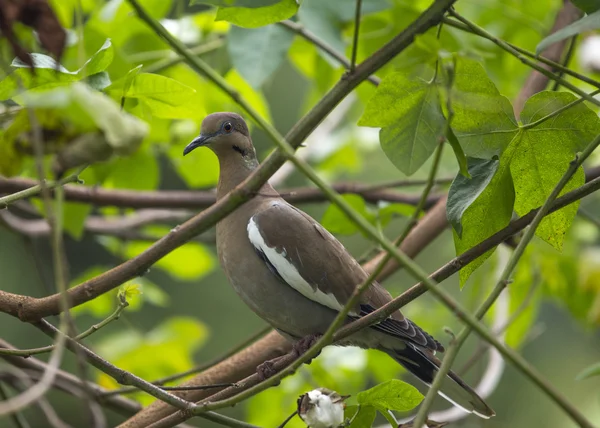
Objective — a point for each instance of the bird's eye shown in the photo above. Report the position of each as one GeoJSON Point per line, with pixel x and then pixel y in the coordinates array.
{"type": "Point", "coordinates": [228, 127]}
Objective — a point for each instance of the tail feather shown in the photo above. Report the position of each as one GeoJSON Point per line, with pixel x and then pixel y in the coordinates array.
{"type": "Point", "coordinates": [453, 389]}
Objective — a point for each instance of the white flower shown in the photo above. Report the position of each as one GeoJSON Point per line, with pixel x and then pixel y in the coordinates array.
{"type": "Point", "coordinates": [322, 408]}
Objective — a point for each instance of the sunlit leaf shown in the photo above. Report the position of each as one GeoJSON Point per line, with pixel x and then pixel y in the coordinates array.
{"type": "Point", "coordinates": [171, 345]}
{"type": "Point", "coordinates": [393, 395]}
{"type": "Point", "coordinates": [165, 97]}
{"type": "Point", "coordinates": [188, 262]}
{"type": "Point", "coordinates": [48, 73]}
{"type": "Point", "coordinates": [253, 17]}
{"type": "Point", "coordinates": [483, 121]}
{"type": "Point", "coordinates": [541, 155]}
{"type": "Point", "coordinates": [237, 3]}
{"type": "Point", "coordinates": [364, 418]}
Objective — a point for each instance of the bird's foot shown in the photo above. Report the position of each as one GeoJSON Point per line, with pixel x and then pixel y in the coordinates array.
{"type": "Point", "coordinates": [266, 369]}
{"type": "Point", "coordinates": [304, 344]}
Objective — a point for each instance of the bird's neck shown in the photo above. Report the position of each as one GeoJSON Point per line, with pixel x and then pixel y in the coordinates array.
{"type": "Point", "coordinates": [233, 174]}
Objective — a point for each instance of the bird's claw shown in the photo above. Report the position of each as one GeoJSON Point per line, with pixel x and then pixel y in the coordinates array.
{"type": "Point", "coordinates": [304, 344]}
{"type": "Point", "coordinates": [266, 370]}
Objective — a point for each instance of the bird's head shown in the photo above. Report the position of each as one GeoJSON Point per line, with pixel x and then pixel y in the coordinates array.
{"type": "Point", "coordinates": [227, 135]}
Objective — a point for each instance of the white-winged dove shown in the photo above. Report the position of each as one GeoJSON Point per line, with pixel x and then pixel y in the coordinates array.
{"type": "Point", "coordinates": [296, 275]}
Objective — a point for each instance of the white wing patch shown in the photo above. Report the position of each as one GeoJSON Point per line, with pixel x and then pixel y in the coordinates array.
{"type": "Point", "coordinates": [288, 271]}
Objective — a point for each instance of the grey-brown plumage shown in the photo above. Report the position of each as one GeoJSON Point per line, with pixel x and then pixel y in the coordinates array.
{"type": "Point", "coordinates": [296, 275]}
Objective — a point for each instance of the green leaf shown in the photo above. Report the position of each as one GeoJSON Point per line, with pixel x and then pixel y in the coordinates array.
{"type": "Point", "coordinates": [591, 371]}
{"type": "Point", "coordinates": [48, 73]}
{"type": "Point", "coordinates": [189, 262]}
{"type": "Point", "coordinates": [587, 23]}
{"type": "Point", "coordinates": [171, 344]}
{"type": "Point", "coordinates": [483, 121]}
{"type": "Point", "coordinates": [588, 6]}
{"type": "Point", "coordinates": [139, 171]}
{"type": "Point", "coordinates": [541, 156]}
{"type": "Point", "coordinates": [237, 3]}
{"type": "Point", "coordinates": [393, 395]}
{"type": "Point", "coordinates": [258, 16]}
{"type": "Point", "coordinates": [90, 111]}
{"type": "Point", "coordinates": [165, 97]}
{"type": "Point", "coordinates": [98, 81]}
{"type": "Point", "coordinates": [364, 418]}
{"type": "Point", "coordinates": [489, 213]}
{"type": "Point", "coordinates": [335, 221]}
{"type": "Point", "coordinates": [409, 112]}
{"type": "Point", "coordinates": [464, 191]}
{"type": "Point", "coordinates": [74, 216]}
{"type": "Point", "coordinates": [461, 158]}
{"type": "Point", "coordinates": [257, 53]}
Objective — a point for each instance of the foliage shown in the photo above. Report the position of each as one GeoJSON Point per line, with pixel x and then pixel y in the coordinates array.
{"type": "Point", "coordinates": [121, 101]}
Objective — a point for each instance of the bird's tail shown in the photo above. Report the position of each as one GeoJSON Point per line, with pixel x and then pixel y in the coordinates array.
{"type": "Point", "coordinates": [453, 388]}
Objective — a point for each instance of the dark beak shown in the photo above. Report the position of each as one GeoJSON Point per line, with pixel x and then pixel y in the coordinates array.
{"type": "Point", "coordinates": [199, 141]}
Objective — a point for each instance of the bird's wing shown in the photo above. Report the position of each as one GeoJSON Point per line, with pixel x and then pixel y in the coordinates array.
{"type": "Point", "coordinates": [305, 256]}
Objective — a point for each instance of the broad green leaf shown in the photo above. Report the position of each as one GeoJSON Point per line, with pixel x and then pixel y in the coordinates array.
{"type": "Point", "coordinates": [587, 23]}
{"type": "Point", "coordinates": [237, 3]}
{"type": "Point", "coordinates": [165, 97]}
{"type": "Point", "coordinates": [393, 395]}
{"type": "Point", "coordinates": [409, 112]}
{"type": "Point", "coordinates": [11, 160]}
{"type": "Point", "coordinates": [189, 262]}
{"type": "Point", "coordinates": [489, 213]}
{"type": "Point", "coordinates": [541, 155]}
{"type": "Point", "coordinates": [464, 191]}
{"type": "Point", "coordinates": [337, 222]}
{"type": "Point", "coordinates": [483, 121]}
{"type": "Point", "coordinates": [588, 6]}
{"type": "Point", "coordinates": [256, 53]}
{"type": "Point", "coordinates": [48, 72]}
{"type": "Point", "coordinates": [197, 171]}
{"type": "Point", "coordinates": [364, 418]}
{"type": "Point", "coordinates": [591, 371]}
{"type": "Point", "coordinates": [255, 98]}
{"type": "Point", "coordinates": [253, 17]}
{"type": "Point", "coordinates": [524, 299]}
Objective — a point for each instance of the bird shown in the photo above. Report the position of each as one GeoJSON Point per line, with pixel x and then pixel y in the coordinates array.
{"type": "Point", "coordinates": [297, 276]}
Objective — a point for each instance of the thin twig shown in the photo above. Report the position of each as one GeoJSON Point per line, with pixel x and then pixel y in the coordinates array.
{"type": "Point", "coordinates": [94, 328]}
{"type": "Point", "coordinates": [355, 38]}
{"type": "Point", "coordinates": [17, 417]}
{"type": "Point", "coordinates": [5, 201]}
{"type": "Point", "coordinates": [321, 44]}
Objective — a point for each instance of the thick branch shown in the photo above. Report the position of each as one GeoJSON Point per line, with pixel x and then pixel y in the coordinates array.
{"type": "Point", "coordinates": [197, 199]}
